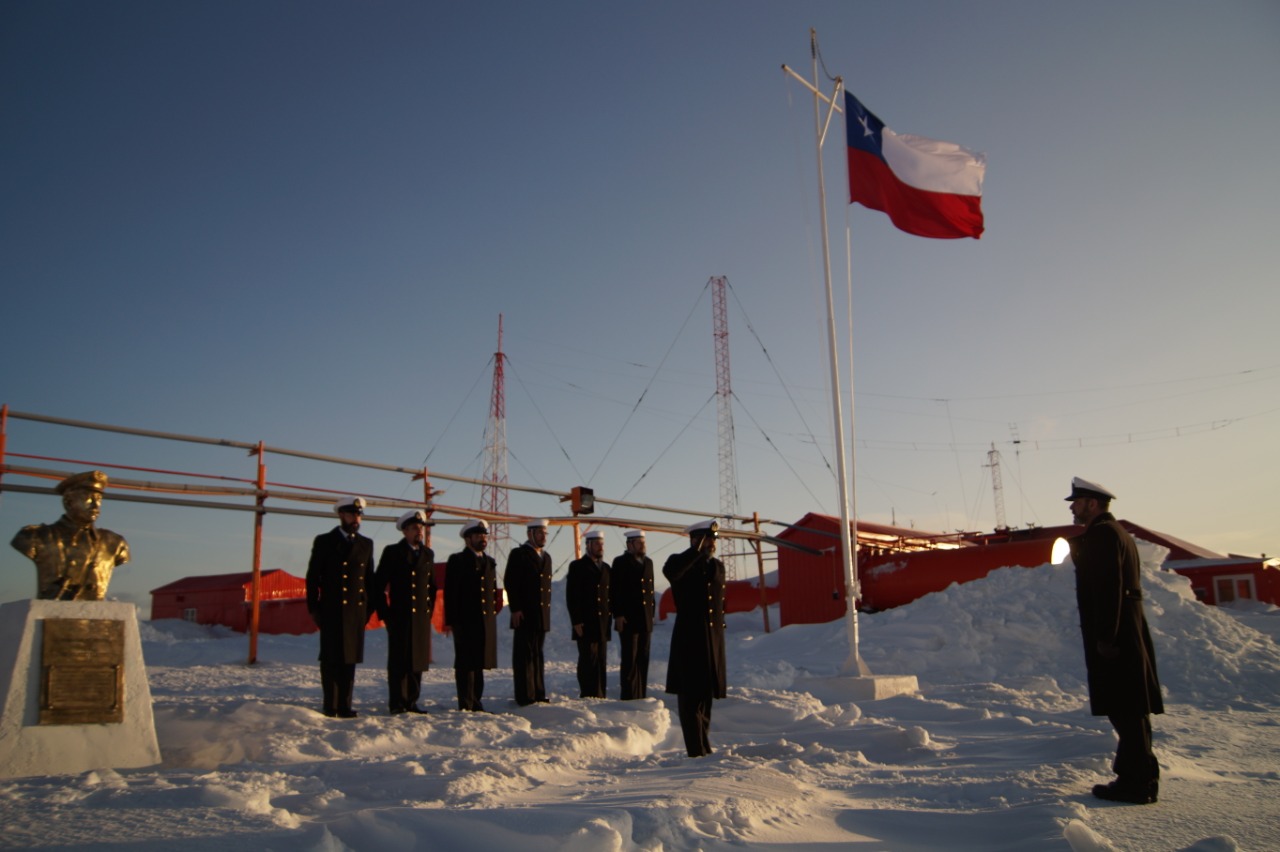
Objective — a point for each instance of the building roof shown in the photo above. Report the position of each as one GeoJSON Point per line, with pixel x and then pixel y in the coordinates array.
{"type": "Point", "coordinates": [906, 538]}
{"type": "Point", "coordinates": [1178, 548]}
{"type": "Point", "coordinates": [820, 524]}
{"type": "Point", "coordinates": [1226, 562]}
{"type": "Point", "coordinates": [241, 580]}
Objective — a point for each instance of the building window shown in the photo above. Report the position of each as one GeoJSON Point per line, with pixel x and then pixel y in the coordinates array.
{"type": "Point", "coordinates": [1237, 587]}
{"type": "Point", "coordinates": [189, 614]}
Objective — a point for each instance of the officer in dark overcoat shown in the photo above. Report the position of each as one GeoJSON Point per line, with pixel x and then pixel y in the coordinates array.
{"type": "Point", "coordinates": [404, 594]}
{"type": "Point", "coordinates": [696, 671]}
{"type": "Point", "coordinates": [631, 602]}
{"type": "Point", "coordinates": [587, 594]}
{"type": "Point", "coordinates": [527, 581]}
{"type": "Point", "coordinates": [339, 577]}
{"type": "Point", "coordinates": [1118, 653]}
{"type": "Point", "coordinates": [471, 613]}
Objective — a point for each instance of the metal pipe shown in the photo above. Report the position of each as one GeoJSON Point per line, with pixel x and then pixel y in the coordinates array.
{"type": "Point", "coordinates": [255, 585]}
{"type": "Point", "coordinates": [415, 472]}
{"type": "Point", "coordinates": [764, 597]}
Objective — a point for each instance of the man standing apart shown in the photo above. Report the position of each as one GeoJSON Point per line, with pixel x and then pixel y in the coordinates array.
{"type": "Point", "coordinates": [631, 602]}
{"type": "Point", "coordinates": [339, 575]}
{"type": "Point", "coordinates": [587, 589]}
{"type": "Point", "coordinates": [471, 613]}
{"type": "Point", "coordinates": [404, 593]}
{"type": "Point", "coordinates": [527, 580]}
{"type": "Point", "coordinates": [1118, 654]}
{"type": "Point", "coordinates": [696, 672]}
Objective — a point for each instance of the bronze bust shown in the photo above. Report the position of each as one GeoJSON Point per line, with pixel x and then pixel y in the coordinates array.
{"type": "Point", "coordinates": [74, 559]}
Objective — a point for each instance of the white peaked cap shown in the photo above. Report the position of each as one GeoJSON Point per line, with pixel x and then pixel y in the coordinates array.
{"type": "Point", "coordinates": [594, 534]}
{"type": "Point", "coordinates": [411, 515]}
{"type": "Point", "coordinates": [630, 534]}
{"type": "Point", "coordinates": [471, 525]}
{"type": "Point", "coordinates": [702, 527]}
{"type": "Point", "coordinates": [342, 502]}
{"type": "Point", "coordinates": [1085, 488]}
{"type": "Point", "coordinates": [537, 522]}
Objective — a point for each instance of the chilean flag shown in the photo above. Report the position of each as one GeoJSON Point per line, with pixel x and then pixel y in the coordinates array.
{"type": "Point", "coordinates": [928, 188]}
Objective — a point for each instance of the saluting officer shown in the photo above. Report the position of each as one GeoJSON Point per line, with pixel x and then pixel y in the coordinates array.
{"type": "Point", "coordinates": [587, 592]}
{"type": "Point", "coordinates": [404, 594]}
{"type": "Point", "coordinates": [696, 672]}
{"type": "Point", "coordinates": [339, 575]}
{"type": "Point", "coordinates": [528, 584]}
{"type": "Point", "coordinates": [631, 602]}
{"type": "Point", "coordinates": [471, 613]}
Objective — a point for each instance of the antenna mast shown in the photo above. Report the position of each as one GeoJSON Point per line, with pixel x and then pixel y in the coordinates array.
{"type": "Point", "coordinates": [997, 488]}
{"type": "Point", "coordinates": [493, 498]}
{"type": "Point", "coordinates": [724, 416]}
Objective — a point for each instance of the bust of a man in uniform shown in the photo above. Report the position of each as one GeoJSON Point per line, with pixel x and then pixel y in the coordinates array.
{"type": "Point", "coordinates": [74, 559]}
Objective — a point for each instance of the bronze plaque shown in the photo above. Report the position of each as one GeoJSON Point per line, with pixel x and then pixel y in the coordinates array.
{"type": "Point", "coordinates": [82, 671]}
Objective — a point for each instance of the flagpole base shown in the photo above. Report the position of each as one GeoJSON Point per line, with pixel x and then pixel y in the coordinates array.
{"type": "Point", "coordinates": [876, 687]}
{"type": "Point", "coordinates": [854, 664]}
{"type": "Point", "coordinates": [858, 688]}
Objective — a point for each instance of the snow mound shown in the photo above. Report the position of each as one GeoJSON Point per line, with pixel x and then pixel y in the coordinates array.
{"type": "Point", "coordinates": [1018, 628]}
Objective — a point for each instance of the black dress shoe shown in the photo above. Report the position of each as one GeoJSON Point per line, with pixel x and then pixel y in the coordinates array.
{"type": "Point", "coordinates": [396, 711]}
{"type": "Point", "coordinates": [416, 709]}
{"type": "Point", "coordinates": [347, 714]}
{"type": "Point", "coordinates": [1146, 794]}
{"type": "Point", "coordinates": [330, 713]}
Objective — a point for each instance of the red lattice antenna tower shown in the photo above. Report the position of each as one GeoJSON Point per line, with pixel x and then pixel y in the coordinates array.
{"type": "Point", "coordinates": [724, 415]}
{"type": "Point", "coordinates": [493, 497]}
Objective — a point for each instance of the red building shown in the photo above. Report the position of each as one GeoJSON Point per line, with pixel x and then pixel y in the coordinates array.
{"type": "Point", "coordinates": [224, 599]}
{"type": "Point", "coordinates": [1217, 578]}
{"type": "Point", "coordinates": [739, 596]}
{"type": "Point", "coordinates": [898, 565]}
{"type": "Point", "coordinates": [1231, 579]}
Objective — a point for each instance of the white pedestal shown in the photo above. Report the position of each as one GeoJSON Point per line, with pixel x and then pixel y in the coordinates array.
{"type": "Point", "coordinates": [860, 688]}
{"type": "Point", "coordinates": [875, 687]}
{"type": "Point", "coordinates": [29, 748]}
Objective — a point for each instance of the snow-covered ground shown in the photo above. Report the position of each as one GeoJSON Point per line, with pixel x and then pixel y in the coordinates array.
{"type": "Point", "coordinates": [996, 752]}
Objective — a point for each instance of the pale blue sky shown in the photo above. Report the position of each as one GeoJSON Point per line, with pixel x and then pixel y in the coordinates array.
{"type": "Point", "coordinates": [298, 223]}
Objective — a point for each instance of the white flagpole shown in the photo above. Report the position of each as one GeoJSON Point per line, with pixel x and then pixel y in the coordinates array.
{"type": "Point", "coordinates": [855, 585]}
{"type": "Point", "coordinates": [854, 661]}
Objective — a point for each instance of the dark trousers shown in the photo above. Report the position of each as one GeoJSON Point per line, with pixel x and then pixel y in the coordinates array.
{"type": "Point", "coordinates": [527, 664]}
{"type": "Point", "coordinates": [695, 721]}
{"type": "Point", "coordinates": [470, 688]}
{"type": "Point", "coordinates": [1135, 764]}
{"type": "Point", "coordinates": [404, 685]}
{"type": "Point", "coordinates": [591, 668]}
{"type": "Point", "coordinates": [633, 646]}
{"type": "Point", "coordinates": [337, 681]}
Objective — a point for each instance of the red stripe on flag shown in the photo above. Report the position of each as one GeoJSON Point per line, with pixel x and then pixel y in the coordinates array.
{"type": "Point", "coordinates": [938, 215]}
